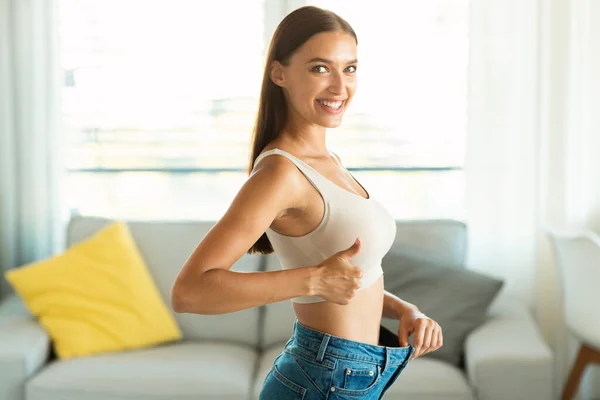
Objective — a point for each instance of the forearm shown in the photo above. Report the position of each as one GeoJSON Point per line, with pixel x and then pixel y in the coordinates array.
{"type": "Point", "coordinates": [221, 291]}
{"type": "Point", "coordinates": [393, 306]}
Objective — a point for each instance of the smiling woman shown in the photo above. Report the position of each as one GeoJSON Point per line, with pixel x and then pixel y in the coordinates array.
{"type": "Point", "coordinates": [328, 231]}
{"type": "Point", "coordinates": [310, 80]}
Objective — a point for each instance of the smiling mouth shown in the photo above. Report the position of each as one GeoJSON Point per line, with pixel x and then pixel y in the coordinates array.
{"type": "Point", "coordinates": [334, 105]}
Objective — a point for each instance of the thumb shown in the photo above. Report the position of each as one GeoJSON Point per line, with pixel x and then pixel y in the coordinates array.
{"type": "Point", "coordinates": [352, 250]}
{"type": "Point", "coordinates": [403, 336]}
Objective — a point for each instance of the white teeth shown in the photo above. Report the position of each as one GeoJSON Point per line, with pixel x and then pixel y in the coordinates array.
{"type": "Point", "coordinates": [331, 104]}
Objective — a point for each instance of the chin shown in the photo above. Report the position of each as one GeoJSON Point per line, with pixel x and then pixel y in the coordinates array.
{"type": "Point", "coordinates": [330, 123]}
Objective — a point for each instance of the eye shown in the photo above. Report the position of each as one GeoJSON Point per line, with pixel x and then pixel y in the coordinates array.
{"type": "Point", "coordinates": [319, 69]}
{"type": "Point", "coordinates": [352, 68]}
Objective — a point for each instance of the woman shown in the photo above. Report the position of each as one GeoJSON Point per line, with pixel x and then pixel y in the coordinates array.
{"type": "Point", "coordinates": [328, 232]}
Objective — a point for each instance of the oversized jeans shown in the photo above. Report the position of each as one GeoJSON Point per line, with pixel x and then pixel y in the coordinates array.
{"type": "Point", "coordinates": [316, 365]}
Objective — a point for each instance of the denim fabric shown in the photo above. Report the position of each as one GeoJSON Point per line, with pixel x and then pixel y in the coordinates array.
{"type": "Point", "coordinates": [315, 365]}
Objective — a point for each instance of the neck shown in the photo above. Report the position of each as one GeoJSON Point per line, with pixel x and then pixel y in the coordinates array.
{"type": "Point", "coordinates": [309, 138]}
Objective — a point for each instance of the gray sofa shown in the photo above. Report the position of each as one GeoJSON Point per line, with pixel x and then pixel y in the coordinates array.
{"type": "Point", "coordinates": [228, 356]}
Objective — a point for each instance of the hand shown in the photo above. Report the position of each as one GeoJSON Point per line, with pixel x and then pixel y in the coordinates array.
{"type": "Point", "coordinates": [428, 334]}
{"type": "Point", "coordinates": [337, 280]}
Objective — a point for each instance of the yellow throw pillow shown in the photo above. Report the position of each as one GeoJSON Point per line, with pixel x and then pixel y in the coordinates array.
{"type": "Point", "coordinates": [96, 297]}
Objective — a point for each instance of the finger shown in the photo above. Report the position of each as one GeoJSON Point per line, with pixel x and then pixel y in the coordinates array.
{"type": "Point", "coordinates": [352, 250]}
{"type": "Point", "coordinates": [427, 339]}
{"type": "Point", "coordinates": [419, 336]}
{"type": "Point", "coordinates": [440, 338]}
{"type": "Point", "coordinates": [403, 337]}
{"type": "Point", "coordinates": [435, 338]}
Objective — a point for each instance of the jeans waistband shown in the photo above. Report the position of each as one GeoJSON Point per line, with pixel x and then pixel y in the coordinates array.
{"type": "Point", "coordinates": [322, 343]}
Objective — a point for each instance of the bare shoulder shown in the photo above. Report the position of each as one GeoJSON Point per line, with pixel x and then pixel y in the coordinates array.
{"type": "Point", "coordinates": [276, 172]}
{"type": "Point", "coordinates": [273, 187]}
{"type": "Point", "coordinates": [275, 164]}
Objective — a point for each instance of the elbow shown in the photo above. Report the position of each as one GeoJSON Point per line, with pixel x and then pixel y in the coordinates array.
{"type": "Point", "coordinates": [178, 299]}
{"type": "Point", "coordinates": [177, 303]}
{"type": "Point", "coordinates": [190, 297]}
{"type": "Point", "coordinates": [184, 300]}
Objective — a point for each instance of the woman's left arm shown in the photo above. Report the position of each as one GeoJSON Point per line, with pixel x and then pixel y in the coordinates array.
{"type": "Point", "coordinates": [394, 307]}
{"type": "Point", "coordinates": [428, 334]}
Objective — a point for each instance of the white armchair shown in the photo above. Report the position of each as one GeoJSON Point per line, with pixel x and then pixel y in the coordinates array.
{"type": "Point", "coordinates": [578, 258]}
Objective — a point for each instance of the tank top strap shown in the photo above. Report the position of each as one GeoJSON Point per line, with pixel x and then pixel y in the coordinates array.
{"type": "Point", "coordinates": [263, 155]}
{"type": "Point", "coordinates": [313, 176]}
{"type": "Point", "coordinates": [302, 166]}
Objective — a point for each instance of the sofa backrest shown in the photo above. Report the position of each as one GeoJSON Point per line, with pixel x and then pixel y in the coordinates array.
{"type": "Point", "coordinates": [442, 241]}
{"type": "Point", "coordinates": [165, 246]}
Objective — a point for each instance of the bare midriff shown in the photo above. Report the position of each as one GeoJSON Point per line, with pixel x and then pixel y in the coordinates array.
{"type": "Point", "coordinates": [359, 320]}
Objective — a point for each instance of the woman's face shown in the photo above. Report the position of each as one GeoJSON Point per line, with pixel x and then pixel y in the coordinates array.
{"type": "Point", "coordinates": [320, 79]}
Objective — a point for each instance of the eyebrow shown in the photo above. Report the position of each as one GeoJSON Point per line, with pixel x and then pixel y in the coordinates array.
{"type": "Point", "coordinates": [326, 61]}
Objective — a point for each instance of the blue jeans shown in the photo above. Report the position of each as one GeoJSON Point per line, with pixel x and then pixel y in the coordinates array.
{"type": "Point", "coordinates": [316, 365]}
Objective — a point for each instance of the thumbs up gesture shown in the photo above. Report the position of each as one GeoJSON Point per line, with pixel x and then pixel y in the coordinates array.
{"type": "Point", "coordinates": [337, 279]}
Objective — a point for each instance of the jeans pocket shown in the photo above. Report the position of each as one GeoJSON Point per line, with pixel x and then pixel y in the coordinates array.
{"type": "Point", "coordinates": [355, 378]}
{"type": "Point", "coordinates": [278, 386]}
{"type": "Point", "coordinates": [358, 379]}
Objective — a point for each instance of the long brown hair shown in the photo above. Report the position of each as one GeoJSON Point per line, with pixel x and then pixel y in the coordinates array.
{"type": "Point", "coordinates": [291, 33]}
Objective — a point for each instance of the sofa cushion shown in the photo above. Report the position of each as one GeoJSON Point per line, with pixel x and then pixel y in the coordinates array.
{"type": "Point", "coordinates": [165, 246]}
{"type": "Point", "coordinates": [444, 241]}
{"type": "Point", "coordinates": [96, 297]}
{"type": "Point", "coordinates": [186, 370]}
{"type": "Point", "coordinates": [414, 383]}
{"type": "Point", "coordinates": [456, 298]}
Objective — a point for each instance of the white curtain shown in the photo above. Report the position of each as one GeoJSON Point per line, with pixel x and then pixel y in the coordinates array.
{"type": "Point", "coordinates": [533, 134]}
{"type": "Point", "coordinates": [30, 167]}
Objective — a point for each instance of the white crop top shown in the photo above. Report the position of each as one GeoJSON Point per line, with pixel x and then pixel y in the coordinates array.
{"type": "Point", "coordinates": [347, 216]}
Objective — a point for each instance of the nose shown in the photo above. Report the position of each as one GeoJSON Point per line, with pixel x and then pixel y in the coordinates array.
{"type": "Point", "coordinates": [337, 83]}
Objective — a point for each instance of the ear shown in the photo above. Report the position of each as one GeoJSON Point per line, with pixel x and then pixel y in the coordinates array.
{"type": "Point", "coordinates": [276, 73]}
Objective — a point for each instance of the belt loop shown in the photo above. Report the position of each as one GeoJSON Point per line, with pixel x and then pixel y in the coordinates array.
{"type": "Point", "coordinates": [324, 343]}
{"type": "Point", "coordinates": [386, 359]}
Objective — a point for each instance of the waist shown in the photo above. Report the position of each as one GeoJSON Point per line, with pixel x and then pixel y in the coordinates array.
{"type": "Point", "coordinates": [314, 342]}
{"type": "Point", "coordinates": [359, 320]}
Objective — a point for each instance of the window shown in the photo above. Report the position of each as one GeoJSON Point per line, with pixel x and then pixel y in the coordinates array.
{"type": "Point", "coordinates": [159, 101]}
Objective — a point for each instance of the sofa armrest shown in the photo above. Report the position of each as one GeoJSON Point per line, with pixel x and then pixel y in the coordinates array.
{"type": "Point", "coordinates": [507, 358]}
{"type": "Point", "coordinates": [24, 348]}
